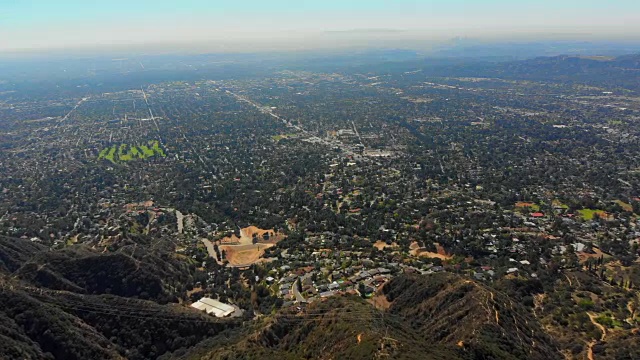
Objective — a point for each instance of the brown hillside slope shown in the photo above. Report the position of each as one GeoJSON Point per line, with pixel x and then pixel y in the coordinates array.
{"type": "Point", "coordinates": [448, 309]}
{"type": "Point", "coordinates": [430, 317]}
{"type": "Point", "coordinates": [338, 328]}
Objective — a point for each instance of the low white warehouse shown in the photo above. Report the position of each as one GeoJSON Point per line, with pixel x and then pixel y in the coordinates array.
{"type": "Point", "coordinates": [215, 307]}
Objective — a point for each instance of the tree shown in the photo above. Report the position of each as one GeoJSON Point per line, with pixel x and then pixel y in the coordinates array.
{"type": "Point", "coordinates": [362, 290]}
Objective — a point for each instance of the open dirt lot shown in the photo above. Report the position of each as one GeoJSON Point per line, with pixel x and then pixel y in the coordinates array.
{"type": "Point", "coordinates": [240, 251]}
{"type": "Point", "coordinates": [416, 250]}
{"type": "Point", "coordinates": [381, 245]}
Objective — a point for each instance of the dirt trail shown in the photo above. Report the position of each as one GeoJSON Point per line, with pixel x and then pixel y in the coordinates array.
{"type": "Point", "coordinates": [538, 300]}
{"type": "Point", "coordinates": [594, 341]}
{"type": "Point", "coordinates": [487, 304]}
{"type": "Point", "coordinates": [598, 325]}
{"type": "Point", "coordinates": [632, 312]}
{"type": "Point", "coordinates": [496, 310]}
{"type": "Point", "coordinates": [590, 350]}
{"type": "Point", "coordinates": [569, 280]}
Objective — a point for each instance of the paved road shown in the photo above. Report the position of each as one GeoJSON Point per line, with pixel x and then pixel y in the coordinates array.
{"type": "Point", "coordinates": [209, 245]}
{"type": "Point", "coordinates": [296, 293]}
{"type": "Point", "coordinates": [180, 218]}
{"type": "Point", "coordinates": [329, 143]}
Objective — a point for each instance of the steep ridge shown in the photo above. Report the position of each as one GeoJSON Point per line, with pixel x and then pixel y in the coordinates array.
{"type": "Point", "coordinates": [80, 303]}
{"type": "Point", "coordinates": [138, 271]}
{"type": "Point", "coordinates": [338, 328]}
{"type": "Point", "coordinates": [94, 273]}
{"type": "Point", "coordinates": [449, 309]}
{"type": "Point", "coordinates": [56, 324]}
{"type": "Point", "coordinates": [32, 329]}
{"type": "Point", "coordinates": [16, 252]}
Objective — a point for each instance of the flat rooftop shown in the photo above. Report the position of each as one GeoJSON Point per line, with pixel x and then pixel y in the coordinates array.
{"type": "Point", "coordinates": [211, 306]}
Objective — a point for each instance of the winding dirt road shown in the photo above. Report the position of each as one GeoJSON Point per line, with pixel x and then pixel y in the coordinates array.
{"type": "Point", "coordinates": [592, 317]}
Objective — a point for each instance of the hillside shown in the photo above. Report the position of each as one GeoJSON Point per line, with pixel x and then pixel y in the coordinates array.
{"type": "Point", "coordinates": [73, 304]}
{"type": "Point", "coordinates": [452, 310]}
{"type": "Point", "coordinates": [430, 317]}
{"type": "Point", "coordinates": [135, 269]}
{"type": "Point", "coordinates": [16, 252]}
{"type": "Point", "coordinates": [338, 328]}
{"type": "Point", "coordinates": [79, 303]}
{"type": "Point", "coordinates": [39, 324]}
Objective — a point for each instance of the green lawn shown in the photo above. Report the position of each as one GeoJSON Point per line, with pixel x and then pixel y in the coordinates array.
{"type": "Point", "coordinates": [589, 214]}
{"type": "Point", "coordinates": [146, 152]}
{"type": "Point", "coordinates": [122, 156]}
{"type": "Point", "coordinates": [136, 153]}
{"type": "Point", "coordinates": [155, 146]}
{"type": "Point", "coordinates": [109, 154]}
{"type": "Point", "coordinates": [126, 152]}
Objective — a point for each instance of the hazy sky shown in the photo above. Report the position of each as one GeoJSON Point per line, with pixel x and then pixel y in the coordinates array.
{"type": "Point", "coordinates": [266, 24]}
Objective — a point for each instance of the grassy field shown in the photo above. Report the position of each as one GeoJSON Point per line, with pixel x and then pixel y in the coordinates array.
{"type": "Point", "coordinates": [126, 152]}
{"type": "Point", "coordinates": [589, 214]}
{"type": "Point", "coordinates": [108, 153]}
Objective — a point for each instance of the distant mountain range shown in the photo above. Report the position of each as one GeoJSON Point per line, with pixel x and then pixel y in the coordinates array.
{"type": "Point", "coordinates": [614, 72]}
{"type": "Point", "coordinates": [473, 48]}
{"type": "Point", "coordinates": [42, 78]}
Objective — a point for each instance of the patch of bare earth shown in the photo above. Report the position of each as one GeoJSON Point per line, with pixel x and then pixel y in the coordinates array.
{"type": "Point", "coordinates": [597, 253]}
{"type": "Point", "coordinates": [379, 301]}
{"type": "Point", "coordinates": [195, 290]}
{"type": "Point", "coordinates": [249, 233]}
{"type": "Point", "coordinates": [381, 245]}
{"type": "Point", "coordinates": [416, 250]}
{"type": "Point", "coordinates": [244, 254]}
{"type": "Point", "coordinates": [249, 248]}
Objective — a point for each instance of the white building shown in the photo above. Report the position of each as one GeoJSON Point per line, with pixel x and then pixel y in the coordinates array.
{"type": "Point", "coordinates": [215, 307]}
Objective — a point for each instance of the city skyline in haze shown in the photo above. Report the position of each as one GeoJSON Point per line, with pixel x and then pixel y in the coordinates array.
{"type": "Point", "coordinates": [294, 25]}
